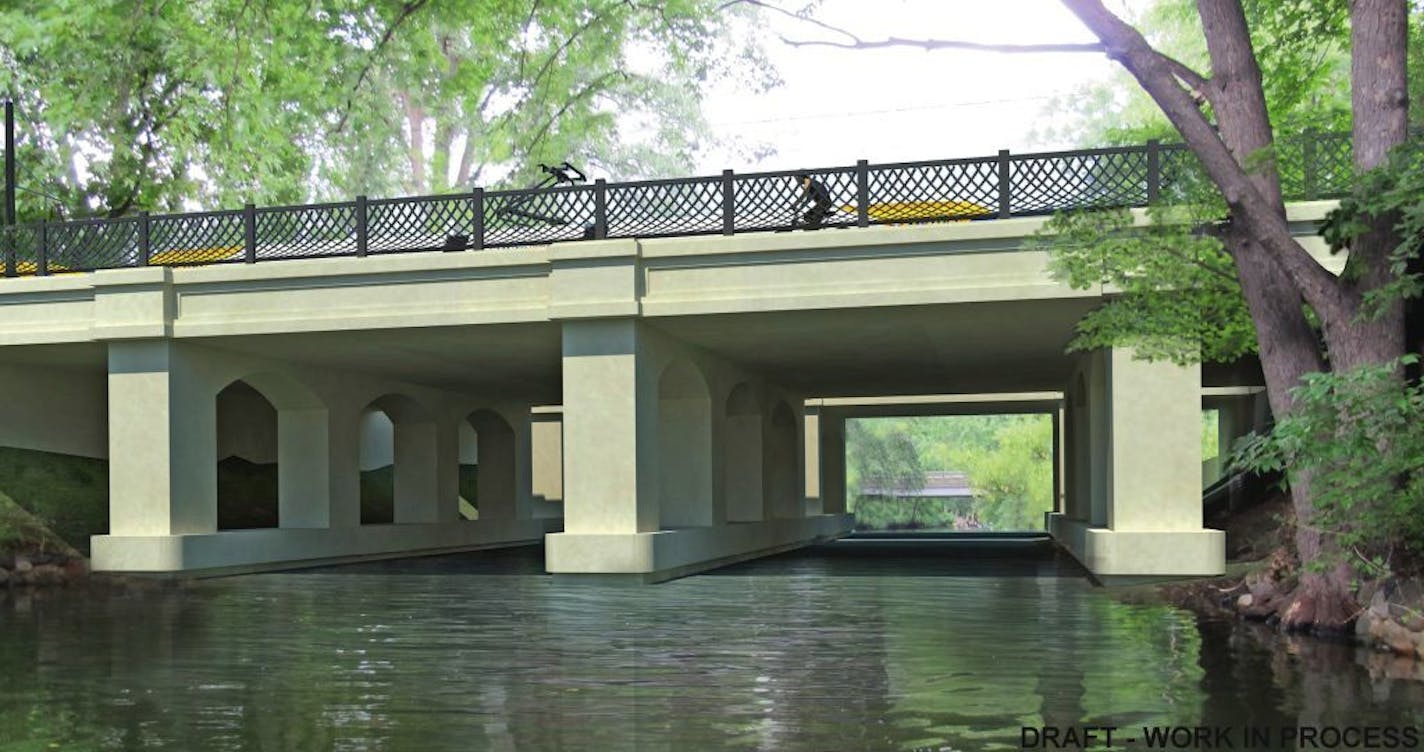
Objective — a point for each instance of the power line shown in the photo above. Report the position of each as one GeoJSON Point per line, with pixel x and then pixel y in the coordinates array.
{"type": "Point", "coordinates": [887, 111]}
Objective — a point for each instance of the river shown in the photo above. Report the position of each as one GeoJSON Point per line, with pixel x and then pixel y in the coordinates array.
{"type": "Point", "coordinates": [838, 647]}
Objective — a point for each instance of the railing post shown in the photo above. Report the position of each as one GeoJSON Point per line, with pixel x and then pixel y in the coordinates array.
{"type": "Point", "coordinates": [1309, 176]}
{"type": "Point", "coordinates": [249, 232]}
{"type": "Point", "coordinates": [600, 209]}
{"type": "Point", "coordinates": [42, 253]}
{"type": "Point", "coordinates": [1005, 207]}
{"type": "Point", "coordinates": [477, 205]}
{"type": "Point", "coordinates": [8, 238]}
{"type": "Point", "coordinates": [729, 206]}
{"type": "Point", "coordinates": [145, 242]}
{"type": "Point", "coordinates": [362, 229]}
{"type": "Point", "coordinates": [1154, 170]}
{"type": "Point", "coordinates": [862, 193]}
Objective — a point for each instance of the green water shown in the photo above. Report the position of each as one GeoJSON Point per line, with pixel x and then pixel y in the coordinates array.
{"type": "Point", "coordinates": [825, 649]}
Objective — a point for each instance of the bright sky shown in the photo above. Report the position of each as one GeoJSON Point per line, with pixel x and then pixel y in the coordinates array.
{"type": "Point", "coordinates": [899, 104]}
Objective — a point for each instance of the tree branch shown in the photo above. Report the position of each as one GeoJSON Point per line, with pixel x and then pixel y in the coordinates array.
{"type": "Point", "coordinates": [1202, 88]}
{"type": "Point", "coordinates": [406, 12]}
{"type": "Point", "coordinates": [1159, 79]}
{"type": "Point", "coordinates": [789, 14]}
{"type": "Point", "coordinates": [589, 89]}
{"type": "Point", "coordinates": [855, 42]}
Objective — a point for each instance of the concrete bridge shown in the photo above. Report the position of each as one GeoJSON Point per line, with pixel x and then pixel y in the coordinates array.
{"type": "Point", "coordinates": [648, 406]}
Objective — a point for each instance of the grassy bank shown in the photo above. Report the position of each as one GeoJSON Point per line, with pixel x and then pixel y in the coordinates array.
{"type": "Point", "coordinates": [48, 499]}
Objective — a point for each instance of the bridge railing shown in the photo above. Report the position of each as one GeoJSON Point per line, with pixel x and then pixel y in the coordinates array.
{"type": "Point", "coordinates": [1000, 186]}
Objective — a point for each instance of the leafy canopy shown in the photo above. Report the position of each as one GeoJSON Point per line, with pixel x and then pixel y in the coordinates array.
{"type": "Point", "coordinates": [1361, 438]}
{"type": "Point", "coordinates": [1174, 287]}
{"type": "Point", "coordinates": [130, 105]}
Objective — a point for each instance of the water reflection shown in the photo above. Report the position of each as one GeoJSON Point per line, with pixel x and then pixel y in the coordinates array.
{"type": "Point", "coordinates": [845, 647]}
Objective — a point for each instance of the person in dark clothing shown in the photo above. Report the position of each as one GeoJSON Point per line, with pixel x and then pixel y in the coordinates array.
{"type": "Point", "coordinates": [813, 192]}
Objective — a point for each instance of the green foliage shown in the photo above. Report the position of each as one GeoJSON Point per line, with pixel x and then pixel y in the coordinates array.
{"type": "Point", "coordinates": [128, 106]}
{"type": "Point", "coordinates": [1210, 428]}
{"type": "Point", "coordinates": [879, 513]}
{"type": "Point", "coordinates": [1392, 190]}
{"type": "Point", "coordinates": [1013, 477]}
{"type": "Point", "coordinates": [53, 495]}
{"type": "Point", "coordinates": [378, 496]}
{"type": "Point", "coordinates": [247, 494]}
{"type": "Point", "coordinates": [1302, 47]}
{"type": "Point", "coordinates": [1175, 293]}
{"type": "Point", "coordinates": [885, 460]}
{"type": "Point", "coordinates": [1360, 437]}
{"type": "Point", "coordinates": [1008, 459]}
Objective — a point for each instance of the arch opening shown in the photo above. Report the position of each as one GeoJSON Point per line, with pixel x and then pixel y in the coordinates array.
{"type": "Point", "coordinates": [247, 458]}
{"type": "Point", "coordinates": [487, 467]}
{"type": "Point", "coordinates": [377, 467]}
{"type": "Point", "coordinates": [397, 462]}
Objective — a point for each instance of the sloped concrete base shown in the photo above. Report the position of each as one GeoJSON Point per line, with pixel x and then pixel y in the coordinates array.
{"type": "Point", "coordinates": [1120, 553]}
{"type": "Point", "coordinates": [668, 554]}
{"type": "Point", "coordinates": [236, 551]}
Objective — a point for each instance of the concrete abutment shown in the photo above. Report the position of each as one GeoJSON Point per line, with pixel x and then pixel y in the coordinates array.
{"type": "Point", "coordinates": [1132, 459]}
{"type": "Point", "coordinates": [676, 461]}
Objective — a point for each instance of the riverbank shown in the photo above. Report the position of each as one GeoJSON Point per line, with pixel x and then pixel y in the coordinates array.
{"type": "Point", "coordinates": [41, 569]}
{"type": "Point", "coordinates": [1261, 575]}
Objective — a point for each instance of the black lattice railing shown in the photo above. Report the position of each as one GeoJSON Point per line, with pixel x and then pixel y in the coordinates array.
{"type": "Point", "coordinates": [90, 244]}
{"type": "Point", "coordinates": [306, 231]}
{"type": "Point", "coordinates": [1312, 166]}
{"type": "Point", "coordinates": [662, 208]}
{"type": "Point", "coordinates": [932, 191]}
{"type": "Point", "coordinates": [187, 239]}
{"type": "Point", "coordinates": [1089, 179]}
{"type": "Point", "coordinates": [401, 225]}
{"type": "Point", "coordinates": [772, 200]}
{"type": "Point", "coordinates": [534, 217]}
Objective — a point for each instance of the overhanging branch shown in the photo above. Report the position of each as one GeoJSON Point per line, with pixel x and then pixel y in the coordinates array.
{"type": "Point", "coordinates": [853, 41]}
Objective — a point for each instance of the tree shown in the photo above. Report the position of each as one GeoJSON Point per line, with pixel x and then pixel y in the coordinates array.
{"type": "Point", "coordinates": [888, 461]}
{"type": "Point", "coordinates": [131, 105]}
{"type": "Point", "coordinates": [1302, 47]}
{"type": "Point", "coordinates": [536, 82]}
{"type": "Point", "coordinates": [1224, 119]}
{"type": "Point", "coordinates": [1277, 275]}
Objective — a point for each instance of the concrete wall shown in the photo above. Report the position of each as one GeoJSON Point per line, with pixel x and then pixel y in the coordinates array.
{"type": "Point", "coordinates": [53, 409]}
{"type": "Point", "coordinates": [164, 444]}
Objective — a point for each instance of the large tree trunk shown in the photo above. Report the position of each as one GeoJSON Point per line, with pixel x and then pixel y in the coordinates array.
{"type": "Point", "coordinates": [1379, 99]}
{"type": "Point", "coordinates": [1287, 346]}
{"type": "Point", "coordinates": [1378, 40]}
{"type": "Point", "coordinates": [1277, 276]}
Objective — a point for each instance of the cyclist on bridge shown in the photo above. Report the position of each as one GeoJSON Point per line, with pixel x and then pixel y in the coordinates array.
{"type": "Point", "coordinates": [813, 192]}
